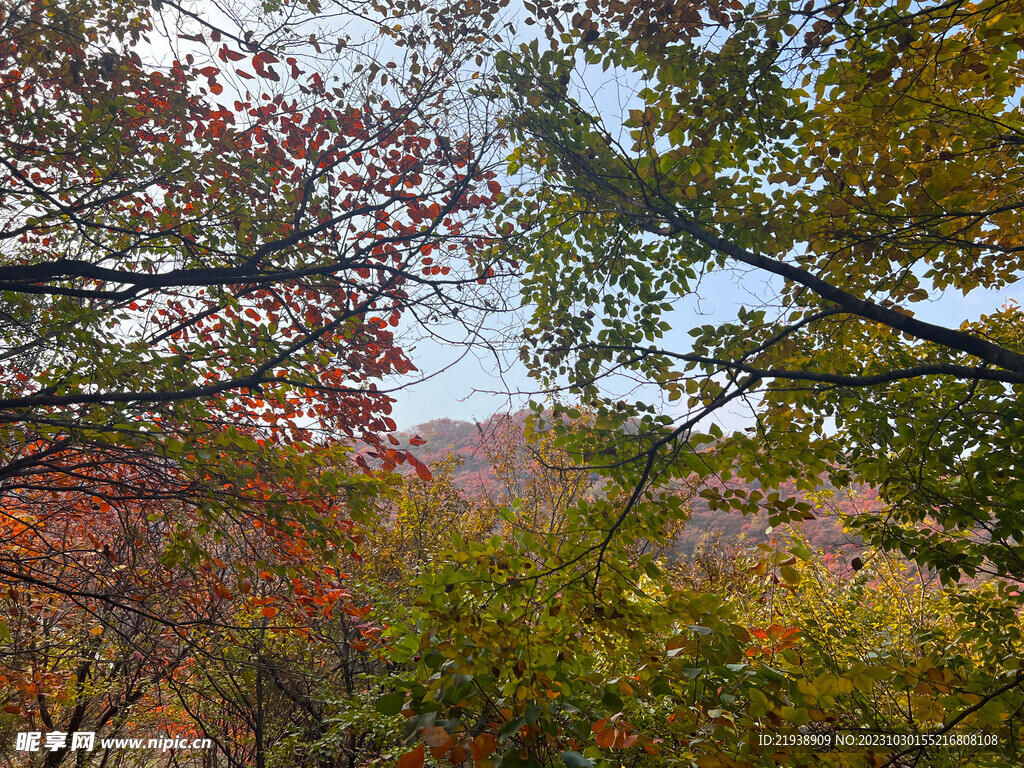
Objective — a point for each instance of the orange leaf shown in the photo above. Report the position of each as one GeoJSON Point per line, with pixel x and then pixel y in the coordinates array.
{"type": "Point", "coordinates": [606, 737]}
{"type": "Point", "coordinates": [412, 759]}
{"type": "Point", "coordinates": [435, 737]}
{"type": "Point", "coordinates": [482, 747]}
{"type": "Point", "coordinates": [441, 751]}
{"type": "Point", "coordinates": [269, 611]}
{"type": "Point", "coordinates": [458, 755]}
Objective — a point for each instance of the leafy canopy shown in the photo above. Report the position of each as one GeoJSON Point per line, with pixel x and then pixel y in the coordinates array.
{"type": "Point", "coordinates": [855, 160]}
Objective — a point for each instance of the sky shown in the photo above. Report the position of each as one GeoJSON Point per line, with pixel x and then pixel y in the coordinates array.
{"type": "Point", "coordinates": [475, 386]}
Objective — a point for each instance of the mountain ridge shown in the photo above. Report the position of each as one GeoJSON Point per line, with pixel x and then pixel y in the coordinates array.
{"type": "Point", "coordinates": [468, 440]}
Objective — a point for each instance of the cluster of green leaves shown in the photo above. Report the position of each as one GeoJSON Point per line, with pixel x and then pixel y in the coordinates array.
{"type": "Point", "coordinates": [514, 650]}
{"type": "Point", "coordinates": [861, 159]}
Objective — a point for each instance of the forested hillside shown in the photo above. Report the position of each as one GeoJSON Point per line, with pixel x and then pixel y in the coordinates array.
{"type": "Point", "coordinates": [475, 444]}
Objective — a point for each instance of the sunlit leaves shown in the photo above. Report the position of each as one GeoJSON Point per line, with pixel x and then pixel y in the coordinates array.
{"type": "Point", "coordinates": [849, 164]}
{"type": "Point", "coordinates": [868, 148]}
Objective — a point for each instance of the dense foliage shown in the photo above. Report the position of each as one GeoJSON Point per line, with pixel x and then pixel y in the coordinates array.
{"type": "Point", "coordinates": [215, 222]}
{"type": "Point", "coordinates": [855, 159]}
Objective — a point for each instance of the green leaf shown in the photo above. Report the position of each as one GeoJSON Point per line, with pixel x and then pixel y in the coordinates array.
{"type": "Point", "coordinates": [511, 728]}
{"type": "Point", "coordinates": [575, 760]}
{"type": "Point", "coordinates": [790, 574]}
{"type": "Point", "coordinates": [660, 687]}
{"type": "Point", "coordinates": [532, 713]}
{"type": "Point", "coordinates": [391, 703]}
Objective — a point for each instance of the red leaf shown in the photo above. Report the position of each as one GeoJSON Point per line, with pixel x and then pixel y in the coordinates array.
{"type": "Point", "coordinates": [422, 470]}
{"type": "Point", "coordinates": [226, 54]}
{"type": "Point", "coordinates": [417, 440]}
{"type": "Point", "coordinates": [412, 759]}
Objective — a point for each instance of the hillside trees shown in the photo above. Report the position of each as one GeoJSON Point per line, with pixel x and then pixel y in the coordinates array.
{"type": "Point", "coordinates": [515, 650]}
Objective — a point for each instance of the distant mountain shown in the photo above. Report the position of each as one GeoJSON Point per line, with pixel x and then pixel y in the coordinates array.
{"type": "Point", "coordinates": [465, 439]}
{"type": "Point", "coordinates": [470, 441]}
{"type": "Point", "coordinates": [449, 435]}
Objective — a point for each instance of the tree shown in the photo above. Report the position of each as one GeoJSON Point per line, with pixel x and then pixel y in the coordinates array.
{"type": "Point", "coordinates": [514, 646]}
{"type": "Point", "coordinates": [171, 263]}
{"type": "Point", "coordinates": [885, 649]}
{"type": "Point", "coordinates": [411, 529]}
{"type": "Point", "coordinates": [855, 159]}
{"type": "Point", "coordinates": [201, 291]}
{"type": "Point", "coordinates": [213, 219]}
{"type": "Point", "coordinates": [845, 162]}
{"type": "Point", "coordinates": [115, 611]}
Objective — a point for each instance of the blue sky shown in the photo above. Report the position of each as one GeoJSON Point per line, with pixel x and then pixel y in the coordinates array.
{"type": "Point", "coordinates": [477, 386]}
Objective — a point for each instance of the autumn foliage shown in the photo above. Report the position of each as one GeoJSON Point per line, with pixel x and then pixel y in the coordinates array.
{"type": "Point", "coordinates": [207, 247]}
{"type": "Point", "coordinates": [223, 226]}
